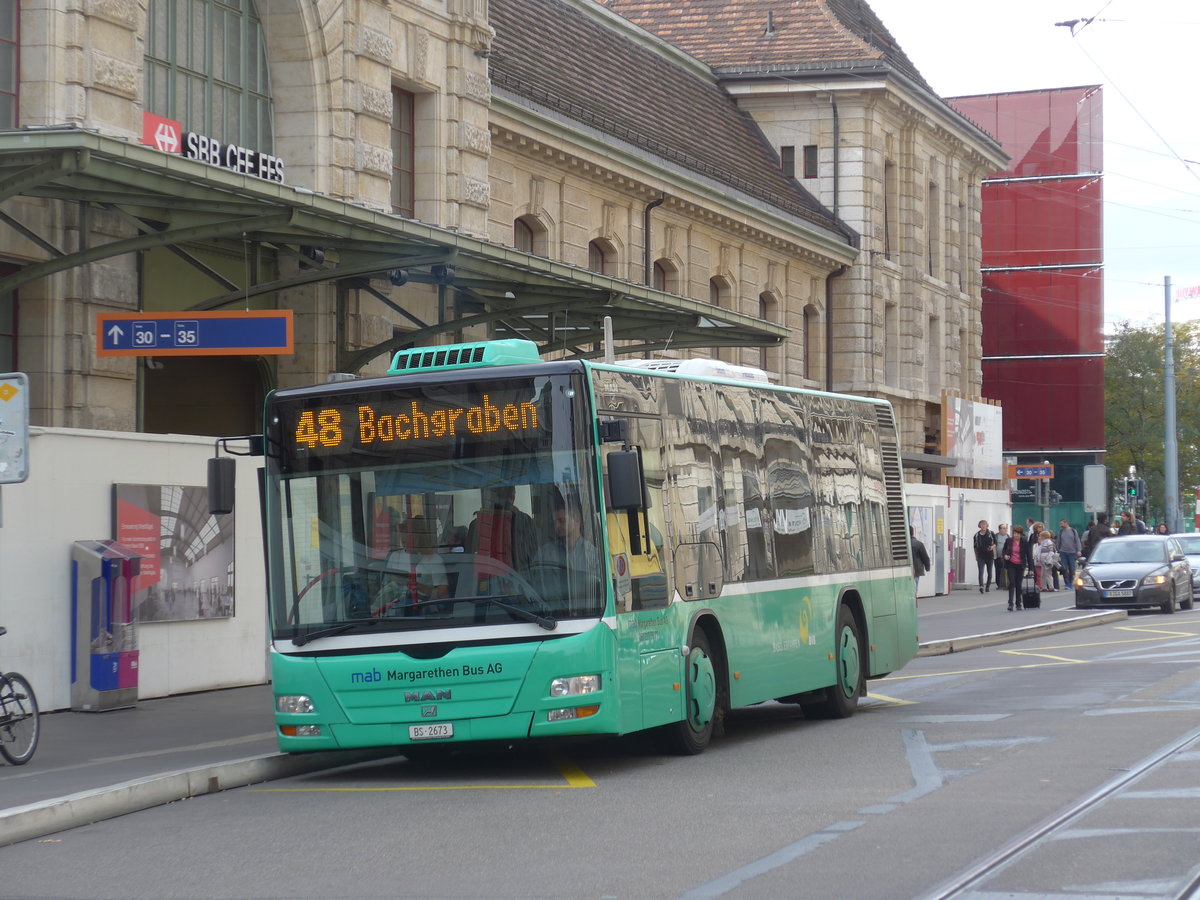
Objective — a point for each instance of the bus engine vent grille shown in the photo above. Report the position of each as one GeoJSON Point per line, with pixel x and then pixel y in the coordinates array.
{"type": "Point", "coordinates": [464, 356]}
{"type": "Point", "coordinates": [893, 480]}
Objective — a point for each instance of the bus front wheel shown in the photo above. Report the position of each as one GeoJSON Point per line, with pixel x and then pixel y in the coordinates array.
{"type": "Point", "coordinates": [841, 698]}
{"type": "Point", "coordinates": [701, 701]}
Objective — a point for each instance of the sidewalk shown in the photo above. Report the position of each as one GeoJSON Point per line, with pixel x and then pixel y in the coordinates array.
{"type": "Point", "coordinates": [92, 766]}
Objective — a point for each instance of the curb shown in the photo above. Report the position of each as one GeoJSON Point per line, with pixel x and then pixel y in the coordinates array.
{"type": "Point", "coordinates": [21, 823]}
{"type": "Point", "coordinates": [973, 641]}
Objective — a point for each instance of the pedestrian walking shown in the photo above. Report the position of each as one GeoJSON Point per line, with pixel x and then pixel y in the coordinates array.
{"type": "Point", "coordinates": [1131, 524]}
{"type": "Point", "coordinates": [1095, 534]}
{"type": "Point", "coordinates": [920, 559]}
{"type": "Point", "coordinates": [985, 555]}
{"type": "Point", "coordinates": [1161, 528]}
{"type": "Point", "coordinates": [1069, 547]}
{"type": "Point", "coordinates": [1047, 558]}
{"type": "Point", "coordinates": [1001, 573]}
{"type": "Point", "coordinates": [1016, 557]}
{"type": "Point", "coordinates": [1033, 539]}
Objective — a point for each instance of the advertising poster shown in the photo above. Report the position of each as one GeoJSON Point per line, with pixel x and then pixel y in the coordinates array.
{"type": "Point", "coordinates": [974, 438]}
{"type": "Point", "coordinates": [187, 554]}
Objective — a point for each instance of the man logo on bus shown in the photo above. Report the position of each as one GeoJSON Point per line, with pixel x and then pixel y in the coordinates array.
{"type": "Point", "coordinates": [805, 619]}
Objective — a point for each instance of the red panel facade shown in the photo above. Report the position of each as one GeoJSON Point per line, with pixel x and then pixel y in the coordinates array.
{"type": "Point", "coordinates": [1046, 133]}
{"type": "Point", "coordinates": [1043, 237]}
{"type": "Point", "coordinates": [1042, 312]}
{"type": "Point", "coordinates": [1049, 222]}
{"type": "Point", "coordinates": [1049, 404]}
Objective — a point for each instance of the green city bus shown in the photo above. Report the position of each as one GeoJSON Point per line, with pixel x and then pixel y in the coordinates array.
{"type": "Point", "coordinates": [486, 546]}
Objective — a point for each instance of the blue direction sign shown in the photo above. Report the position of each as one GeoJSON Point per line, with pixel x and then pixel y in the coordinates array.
{"type": "Point", "coordinates": [1031, 471]}
{"type": "Point", "coordinates": [257, 332]}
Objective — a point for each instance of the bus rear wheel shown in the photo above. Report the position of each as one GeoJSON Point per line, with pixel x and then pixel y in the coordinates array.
{"type": "Point", "coordinates": [841, 698]}
{"type": "Point", "coordinates": [701, 696]}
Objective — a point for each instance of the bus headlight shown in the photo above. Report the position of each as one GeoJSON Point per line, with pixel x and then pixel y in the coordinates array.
{"type": "Point", "coordinates": [294, 703]}
{"type": "Point", "coordinates": [576, 684]}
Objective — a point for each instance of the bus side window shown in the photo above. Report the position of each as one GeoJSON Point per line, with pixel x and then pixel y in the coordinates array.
{"type": "Point", "coordinates": [641, 579]}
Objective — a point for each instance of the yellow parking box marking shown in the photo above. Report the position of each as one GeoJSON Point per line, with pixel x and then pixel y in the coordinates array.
{"type": "Point", "coordinates": [573, 777]}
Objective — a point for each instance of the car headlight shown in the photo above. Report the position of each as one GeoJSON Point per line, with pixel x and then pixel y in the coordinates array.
{"type": "Point", "coordinates": [1157, 577]}
{"type": "Point", "coordinates": [1083, 579]}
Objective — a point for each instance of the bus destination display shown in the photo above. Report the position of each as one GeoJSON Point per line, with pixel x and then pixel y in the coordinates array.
{"type": "Point", "coordinates": [378, 423]}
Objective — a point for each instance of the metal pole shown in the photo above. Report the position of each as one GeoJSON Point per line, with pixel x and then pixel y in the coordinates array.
{"type": "Point", "coordinates": [1170, 438]}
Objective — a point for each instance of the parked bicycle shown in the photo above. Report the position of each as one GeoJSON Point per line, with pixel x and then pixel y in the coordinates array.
{"type": "Point", "coordinates": [19, 721]}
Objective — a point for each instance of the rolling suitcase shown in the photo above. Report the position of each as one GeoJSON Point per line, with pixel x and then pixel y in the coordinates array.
{"type": "Point", "coordinates": [1031, 597]}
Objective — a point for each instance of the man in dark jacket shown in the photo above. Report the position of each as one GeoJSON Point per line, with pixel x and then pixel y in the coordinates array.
{"type": "Point", "coordinates": [985, 554]}
{"type": "Point", "coordinates": [920, 558]}
{"type": "Point", "coordinates": [1098, 532]}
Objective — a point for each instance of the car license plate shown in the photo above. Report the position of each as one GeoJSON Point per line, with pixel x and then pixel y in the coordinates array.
{"type": "Point", "coordinates": [431, 732]}
{"type": "Point", "coordinates": [1118, 593]}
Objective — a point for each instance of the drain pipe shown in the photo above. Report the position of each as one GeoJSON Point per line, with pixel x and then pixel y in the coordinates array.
{"type": "Point", "coordinates": [646, 265]}
{"type": "Point", "coordinates": [841, 270]}
{"type": "Point", "coordinates": [837, 155]}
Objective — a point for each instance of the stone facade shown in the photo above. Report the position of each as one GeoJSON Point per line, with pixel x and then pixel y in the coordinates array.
{"type": "Point", "coordinates": [907, 315]}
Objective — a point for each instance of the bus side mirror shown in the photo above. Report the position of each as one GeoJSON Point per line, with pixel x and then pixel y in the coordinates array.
{"type": "Point", "coordinates": [625, 485]}
{"type": "Point", "coordinates": [222, 471]}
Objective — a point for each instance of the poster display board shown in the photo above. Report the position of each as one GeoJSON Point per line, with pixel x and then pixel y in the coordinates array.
{"type": "Point", "coordinates": [187, 564]}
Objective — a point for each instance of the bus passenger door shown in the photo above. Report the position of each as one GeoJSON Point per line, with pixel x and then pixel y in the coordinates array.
{"type": "Point", "coordinates": [648, 656]}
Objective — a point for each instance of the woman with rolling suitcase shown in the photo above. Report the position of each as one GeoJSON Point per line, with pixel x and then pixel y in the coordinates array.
{"type": "Point", "coordinates": [1016, 560]}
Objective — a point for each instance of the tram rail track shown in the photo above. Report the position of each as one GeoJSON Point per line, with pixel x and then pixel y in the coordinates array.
{"type": "Point", "coordinates": [962, 885]}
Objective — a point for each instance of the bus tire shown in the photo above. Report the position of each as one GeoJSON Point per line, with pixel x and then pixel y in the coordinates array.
{"type": "Point", "coordinates": [841, 698]}
{"type": "Point", "coordinates": [701, 696]}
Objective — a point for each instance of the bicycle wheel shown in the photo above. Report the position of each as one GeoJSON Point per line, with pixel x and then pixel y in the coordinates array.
{"type": "Point", "coordinates": [19, 723]}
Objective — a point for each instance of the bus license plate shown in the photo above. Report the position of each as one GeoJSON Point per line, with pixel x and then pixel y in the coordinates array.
{"type": "Point", "coordinates": [431, 732]}
{"type": "Point", "coordinates": [1118, 593]}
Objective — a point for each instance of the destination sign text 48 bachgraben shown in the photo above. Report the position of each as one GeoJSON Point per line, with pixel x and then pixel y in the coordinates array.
{"type": "Point", "coordinates": [367, 424]}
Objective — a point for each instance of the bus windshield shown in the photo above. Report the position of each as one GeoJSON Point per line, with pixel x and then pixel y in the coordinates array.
{"type": "Point", "coordinates": [415, 504]}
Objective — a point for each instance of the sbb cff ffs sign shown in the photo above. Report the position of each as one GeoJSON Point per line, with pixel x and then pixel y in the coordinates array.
{"type": "Point", "coordinates": [168, 136]}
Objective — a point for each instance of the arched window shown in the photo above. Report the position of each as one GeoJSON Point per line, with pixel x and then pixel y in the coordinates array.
{"type": "Point", "coordinates": [206, 66]}
{"type": "Point", "coordinates": [602, 257]}
{"type": "Point", "coordinates": [718, 292]}
{"type": "Point", "coordinates": [807, 337]}
{"type": "Point", "coordinates": [665, 277]}
{"type": "Point", "coordinates": [768, 309]}
{"type": "Point", "coordinates": [523, 236]}
{"type": "Point", "coordinates": [531, 236]}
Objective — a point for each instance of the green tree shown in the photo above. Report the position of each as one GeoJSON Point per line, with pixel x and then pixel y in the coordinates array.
{"type": "Point", "coordinates": [1133, 409]}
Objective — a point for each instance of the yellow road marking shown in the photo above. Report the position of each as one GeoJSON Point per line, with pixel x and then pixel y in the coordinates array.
{"type": "Point", "coordinates": [895, 701]}
{"type": "Point", "coordinates": [1147, 634]}
{"type": "Point", "coordinates": [573, 776]}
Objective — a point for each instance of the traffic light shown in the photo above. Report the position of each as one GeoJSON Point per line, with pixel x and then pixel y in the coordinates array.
{"type": "Point", "coordinates": [1131, 489]}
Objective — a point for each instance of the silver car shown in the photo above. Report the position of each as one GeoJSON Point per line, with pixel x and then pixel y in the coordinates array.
{"type": "Point", "coordinates": [1190, 544]}
{"type": "Point", "coordinates": [1135, 570]}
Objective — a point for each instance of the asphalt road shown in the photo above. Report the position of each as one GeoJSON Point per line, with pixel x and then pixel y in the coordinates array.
{"type": "Point", "coordinates": [1064, 764]}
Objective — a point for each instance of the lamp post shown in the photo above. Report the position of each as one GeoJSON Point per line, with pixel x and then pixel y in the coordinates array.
{"type": "Point", "coordinates": [1170, 439]}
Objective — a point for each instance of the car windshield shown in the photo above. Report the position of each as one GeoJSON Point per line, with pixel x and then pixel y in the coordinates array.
{"type": "Point", "coordinates": [1190, 544]}
{"type": "Point", "coordinates": [1114, 551]}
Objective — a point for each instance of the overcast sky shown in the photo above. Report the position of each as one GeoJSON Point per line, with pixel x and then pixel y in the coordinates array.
{"type": "Point", "coordinates": [1146, 55]}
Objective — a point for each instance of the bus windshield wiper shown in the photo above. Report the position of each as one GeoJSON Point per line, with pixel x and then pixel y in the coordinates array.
{"type": "Point", "coordinates": [334, 630]}
{"type": "Point", "coordinates": [547, 622]}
